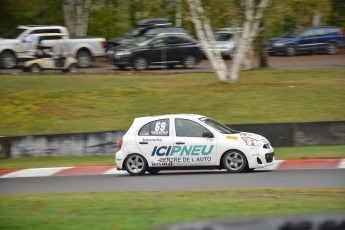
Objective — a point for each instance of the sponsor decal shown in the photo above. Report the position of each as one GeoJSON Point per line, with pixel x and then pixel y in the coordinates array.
{"type": "Point", "coordinates": [192, 150]}
{"type": "Point", "coordinates": [153, 139]}
{"type": "Point", "coordinates": [232, 137]}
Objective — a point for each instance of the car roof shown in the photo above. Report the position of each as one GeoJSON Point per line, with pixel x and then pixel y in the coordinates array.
{"type": "Point", "coordinates": [165, 116]}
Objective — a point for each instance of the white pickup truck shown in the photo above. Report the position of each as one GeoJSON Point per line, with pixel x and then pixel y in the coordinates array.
{"type": "Point", "coordinates": [13, 45]}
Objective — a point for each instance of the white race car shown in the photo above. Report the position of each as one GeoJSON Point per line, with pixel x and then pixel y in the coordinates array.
{"type": "Point", "coordinates": [189, 141]}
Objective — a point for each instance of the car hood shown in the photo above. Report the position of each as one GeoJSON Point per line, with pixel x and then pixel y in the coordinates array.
{"type": "Point", "coordinates": [126, 47]}
{"type": "Point", "coordinates": [5, 41]}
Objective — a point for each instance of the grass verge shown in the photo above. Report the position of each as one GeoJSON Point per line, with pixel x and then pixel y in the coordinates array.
{"type": "Point", "coordinates": [281, 154]}
{"type": "Point", "coordinates": [146, 210]}
{"type": "Point", "coordinates": [41, 104]}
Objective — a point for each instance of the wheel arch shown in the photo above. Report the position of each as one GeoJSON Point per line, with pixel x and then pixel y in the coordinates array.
{"type": "Point", "coordinates": [131, 154]}
{"type": "Point", "coordinates": [229, 150]}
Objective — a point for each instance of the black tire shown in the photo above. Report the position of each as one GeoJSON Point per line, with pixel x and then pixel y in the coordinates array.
{"type": "Point", "coordinates": [73, 68]}
{"type": "Point", "coordinates": [140, 63]}
{"type": "Point", "coordinates": [153, 171]}
{"type": "Point", "coordinates": [189, 62]}
{"type": "Point", "coordinates": [121, 67]}
{"type": "Point", "coordinates": [291, 50]}
{"type": "Point", "coordinates": [8, 60]}
{"type": "Point", "coordinates": [136, 164]}
{"type": "Point", "coordinates": [332, 48]}
{"type": "Point", "coordinates": [84, 58]}
{"type": "Point", "coordinates": [234, 161]}
{"type": "Point", "coordinates": [35, 68]}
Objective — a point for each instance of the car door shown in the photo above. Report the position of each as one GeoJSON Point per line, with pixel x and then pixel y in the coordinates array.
{"type": "Point", "coordinates": [308, 40]}
{"type": "Point", "coordinates": [157, 51]}
{"type": "Point", "coordinates": [177, 48]}
{"type": "Point", "coordinates": [194, 145]}
{"type": "Point", "coordinates": [155, 141]}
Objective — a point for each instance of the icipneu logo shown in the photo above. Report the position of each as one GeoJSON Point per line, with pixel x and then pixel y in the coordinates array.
{"type": "Point", "coordinates": [192, 150]}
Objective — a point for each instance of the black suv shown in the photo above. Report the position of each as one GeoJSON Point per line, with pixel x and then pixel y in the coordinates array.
{"type": "Point", "coordinates": [161, 49]}
{"type": "Point", "coordinates": [145, 27]}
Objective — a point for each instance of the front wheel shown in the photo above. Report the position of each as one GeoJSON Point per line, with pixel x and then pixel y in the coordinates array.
{"type": "Point", "coordinates": [8, 60]}
{"type": "Point", "coordinates": [140, 63]}
{"type": "Point", "coordinates": [331, 48]}
{"type": "Point", "coordinates": [234, 161]}
{"type": "Point", "coordinates": [189, 62]}
{"type": "Point", "coordinates": [291, 50]}
{"type": "Point", "coordinates": [136, 164]}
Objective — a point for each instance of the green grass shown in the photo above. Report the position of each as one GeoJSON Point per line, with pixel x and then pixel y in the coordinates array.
{"type": "Point", "coordinates": [282, 153]}
{"type": "Point", "coordinates": [40, 104]}
{"type": "Point", "coordinates": [146, 210]}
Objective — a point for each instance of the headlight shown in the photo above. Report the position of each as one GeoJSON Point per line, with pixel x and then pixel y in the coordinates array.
{"type": "Point", "coordinates": [252, 142]}
{"type": "Point", "coordinates": [123, 53]}
{"type": "Point", "coordinates": [278, 44]}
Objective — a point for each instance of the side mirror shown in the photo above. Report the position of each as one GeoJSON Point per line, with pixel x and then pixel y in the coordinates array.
{"type": "Point", "coordinates": [207, 134]}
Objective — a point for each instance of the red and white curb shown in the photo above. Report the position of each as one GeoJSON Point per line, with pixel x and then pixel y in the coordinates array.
{"type": "Point", "coordinates": [104, 170]}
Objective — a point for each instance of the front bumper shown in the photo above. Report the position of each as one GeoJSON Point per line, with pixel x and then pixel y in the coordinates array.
{"type": "Point", "coordinates": [261, 157]}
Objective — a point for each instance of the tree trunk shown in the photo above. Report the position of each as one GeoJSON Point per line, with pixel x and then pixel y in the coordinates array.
{"type": "Point", "coordinates": [206, 38]}
{"type": "Point", "coordinates": [250, 30]}
{"type": "Point", "coordinates": [76, 16]}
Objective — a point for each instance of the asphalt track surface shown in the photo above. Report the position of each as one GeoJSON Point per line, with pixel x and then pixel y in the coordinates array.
{"type": "Point", "coordinates": [176, 181]}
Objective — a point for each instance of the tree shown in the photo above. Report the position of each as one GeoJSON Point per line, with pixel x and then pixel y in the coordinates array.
{"type": "Point", "coordinates": [76, 16]}
{"type": "Point", "coordinates": [253, 16]}
{"type": "Point", "coordinates": [205, 35]}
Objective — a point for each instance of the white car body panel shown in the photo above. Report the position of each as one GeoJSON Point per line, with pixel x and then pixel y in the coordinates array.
{"type": "Point", "coordinates": [198, 152]}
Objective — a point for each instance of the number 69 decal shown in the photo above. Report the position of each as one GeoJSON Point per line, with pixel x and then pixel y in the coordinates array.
{"type": "Point", "coordinates": [160, 126]}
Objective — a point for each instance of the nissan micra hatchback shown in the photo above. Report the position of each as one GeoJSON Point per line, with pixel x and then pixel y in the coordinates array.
{"type": "Point", "coordinates": [188, 141]}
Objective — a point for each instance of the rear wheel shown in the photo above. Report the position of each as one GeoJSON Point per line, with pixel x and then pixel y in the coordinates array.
{"type": "Point", "coordinates": [331, 48]}
{"type": "Point", "coordinates": [73, 68]}
{"type": "Point", "coordinates": [35, 68]}
{"type": "Point", "coordinates": [84, 58]}
{"type": "Point", "coordinates": [234, 161]}
{"type": "Point", "coordinates": [8, 60]}
{"type": "Point", "coordinates": [136, 164]}
{"type": "Point", "coordinates": [140, 63]}
{"type": "Point", "coordinates": [189, 62]}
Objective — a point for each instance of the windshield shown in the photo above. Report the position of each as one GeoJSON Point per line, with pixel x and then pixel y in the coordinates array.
{"type": "Point", "coordinates": [13, 34]}
{"type": "Point", "coordinates": [218, 126]}
{"type": "Point", "coordinates": [222, 37]}
{"type": "Point", "coordinates": [141, 41]}
{"type": "Point", "coordinates": [291, 34]}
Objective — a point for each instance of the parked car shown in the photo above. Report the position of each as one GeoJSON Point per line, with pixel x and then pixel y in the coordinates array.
{"type": "Point", "coordinates": [189, 141]}
{"type": "Point", "coordinates": [226, 40]}
{"type": "Point", "coordinates": [13, 45]}
{"type": "Point", "coordinates": [146, 27]}
{"type": "Point", "coordinates": [162, 49]}
{"type": "Point", "coordinates": [312, 39]}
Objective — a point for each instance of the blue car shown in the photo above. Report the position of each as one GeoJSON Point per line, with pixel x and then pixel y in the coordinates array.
{"type": "Point", "coordinates": [311, 39]}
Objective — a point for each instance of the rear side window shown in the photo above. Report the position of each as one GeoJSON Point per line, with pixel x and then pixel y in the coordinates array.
{"type": "Point", "coordinates": [155, 128]}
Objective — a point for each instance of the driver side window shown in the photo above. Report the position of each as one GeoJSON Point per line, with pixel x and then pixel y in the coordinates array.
{"type": "Point", "coordinates": [188, 128]}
